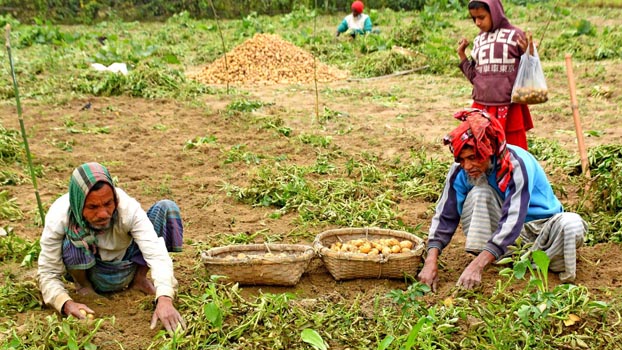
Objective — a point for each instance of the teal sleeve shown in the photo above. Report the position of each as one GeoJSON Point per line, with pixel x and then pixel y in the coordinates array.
{"type": "Point", "coordinates": [367, 25]}
{"type": "Point", "coordinates": [343, 27]}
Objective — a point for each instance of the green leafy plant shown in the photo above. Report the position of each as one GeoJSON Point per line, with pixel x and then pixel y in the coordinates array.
{"type": "Point", "coordinates": [18, 297]}
{"type": "Point", "coordinates": [311, 336]}
{"type": "Point", "coordinates": [9, 209]}
{"type": "Point", "coordinates": [244, 105]}
{"type": "Point", "coordinates": [11, 148]}
{"type": "Point", "coordinates": [199, 141]}
{"type": "Point", "coordinates": [238, 153]}
{"type": "Point", "coordinates": [315, 140]}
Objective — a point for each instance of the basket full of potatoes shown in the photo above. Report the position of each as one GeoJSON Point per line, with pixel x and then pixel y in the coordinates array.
{"type": "Point", "coordinates": [351, 253]}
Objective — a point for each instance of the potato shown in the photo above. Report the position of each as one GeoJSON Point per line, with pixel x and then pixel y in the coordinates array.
{"type": "Point", "coordinates": [393, 242]}
{"type": "Point", "coordinates": [406, 244]}
{"type": "Point", "coordinates": [365, 248]}
{"type": "Point", "coordinates": [384, 246]}
{"type": "Point", "coordinates": [529, 95]}
{"type": "Point", "coordinates": [89, 316]}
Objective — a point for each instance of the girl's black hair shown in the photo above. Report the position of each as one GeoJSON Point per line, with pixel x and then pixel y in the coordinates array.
{"type": "Point", "coordinates": [478, 5]}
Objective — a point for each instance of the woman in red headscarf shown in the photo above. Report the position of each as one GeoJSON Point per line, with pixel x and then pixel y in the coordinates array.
{"type": "Point", "coordinates": [355, 23]}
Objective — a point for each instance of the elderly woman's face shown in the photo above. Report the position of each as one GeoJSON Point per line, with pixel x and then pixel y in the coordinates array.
{"type": "Point", "coordinates": [473, 166]}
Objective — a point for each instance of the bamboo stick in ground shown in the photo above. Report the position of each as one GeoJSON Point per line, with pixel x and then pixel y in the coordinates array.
{"type": "Point", "coordinates": [585, 168]}
{"type": "Point", "coordinates": [33, 178]}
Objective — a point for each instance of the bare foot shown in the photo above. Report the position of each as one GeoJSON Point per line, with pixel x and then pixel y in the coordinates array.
{"type": "Point", "coordinates": [144, 285]}
{"type": "Point", "coordinates": [84, 291]}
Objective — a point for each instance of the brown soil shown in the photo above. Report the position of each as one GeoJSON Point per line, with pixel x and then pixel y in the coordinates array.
{"type": "Point", "coordinates": [144, 150]}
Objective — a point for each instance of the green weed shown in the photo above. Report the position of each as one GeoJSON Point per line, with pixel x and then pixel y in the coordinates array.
{"type": "Point", "coordinates": [238, 153]}
{"type": "Point", "coordinates": [14, 248]}
{"type": "Point", "coordinates": [602, 196]}
{"type": "Point", "coordinates": [315, 140]}
{"type": "Point", "coordinates": [11, 148]}
{"type": "Point", "coordinates": [10, 178]}
{"type": "Point", "coordinates": [244, 105]}
{"type": "Point", "coordinates": [9, 209]}
{"type": "Point", "coordinates": [18, 297]}
{"type": "Point", "coordinates": [199, 141]}
{"type": "Point", "coordinates": [52, 333]}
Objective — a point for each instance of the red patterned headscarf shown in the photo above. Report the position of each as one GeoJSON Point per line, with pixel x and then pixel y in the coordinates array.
{"type": "Point", "coordinates": [487, 138]}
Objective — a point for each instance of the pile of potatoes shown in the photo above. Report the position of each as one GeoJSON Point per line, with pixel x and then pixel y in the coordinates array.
{"type": "Point", "coordinates": [266, 59]}
{"type": "Point", "coordinates": [529, 95]}
{"type": "Point", "coordinates": [384, 246]}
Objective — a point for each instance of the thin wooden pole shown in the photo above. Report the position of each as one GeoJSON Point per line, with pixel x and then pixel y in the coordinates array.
{"type": "Point", "coordinates": [317, 95]}
{"type": "Point", "coordinates": [585, 168]}
{"type": "Point", "coordinates": [33, 178]}
{"type": "Point", "coordinates": [222, 40]}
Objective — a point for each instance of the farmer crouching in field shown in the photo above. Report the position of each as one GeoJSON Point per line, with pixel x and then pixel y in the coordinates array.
{"type": "Point", "coordinates": [500, 193]}
{"type": "Point", "coordinates": [355, 23]}
{"type": "Point", "coordinates": [105, 241]}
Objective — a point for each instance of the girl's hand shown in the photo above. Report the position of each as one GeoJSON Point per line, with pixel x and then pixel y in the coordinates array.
{"type": "Point", "coordinates": [462, 45]}
{"type": "Point", "coordinates": [523, 43]}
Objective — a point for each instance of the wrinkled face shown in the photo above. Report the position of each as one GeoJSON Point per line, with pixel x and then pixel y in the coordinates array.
{"type": "Point", "coordinates": [482, 19]}
{"type": "Point", "coordinates": [99, 207]}
{"type": "Point", "coordinates": [474, 167]}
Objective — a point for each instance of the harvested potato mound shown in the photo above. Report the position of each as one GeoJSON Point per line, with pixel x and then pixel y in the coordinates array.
{"type": "Point", "coordinates": [267, 59]}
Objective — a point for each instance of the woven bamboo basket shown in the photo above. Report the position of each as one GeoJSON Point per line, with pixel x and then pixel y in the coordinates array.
{"type": "Point", "coordinates": [344, 266]}
{"type": "Point", "coordinates": [259, 264]}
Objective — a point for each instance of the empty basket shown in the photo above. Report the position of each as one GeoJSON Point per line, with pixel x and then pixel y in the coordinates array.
{"type": "Point", "coordinates": [259, 264]}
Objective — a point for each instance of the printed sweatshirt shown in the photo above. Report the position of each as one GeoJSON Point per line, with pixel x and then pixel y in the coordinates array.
{"type": "Point", "coordinates": [494, 61]}
{"type": "Point", "coordinates": [528, 197]}
{"type": "Point", "coordinates": [360, 24]}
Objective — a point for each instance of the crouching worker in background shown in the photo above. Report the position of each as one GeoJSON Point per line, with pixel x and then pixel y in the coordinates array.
{"type": "Point", "coordinates": [355, 23]}
{"type": "Point", "coordinates": [500, 193]}
{"type": "Point", "coordinates": [103, 240]}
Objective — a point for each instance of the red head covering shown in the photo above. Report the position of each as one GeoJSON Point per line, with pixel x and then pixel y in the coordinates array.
{"type": "Point", "coordinates": [485, 135]}
{"type": "Point", "coordinates": [357, 6]}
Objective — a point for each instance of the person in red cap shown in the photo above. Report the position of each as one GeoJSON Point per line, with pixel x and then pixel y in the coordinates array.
{"type": "Point", "coordinates": [498, 192]}
{"type": "Point", "coordinates": [355, 23]}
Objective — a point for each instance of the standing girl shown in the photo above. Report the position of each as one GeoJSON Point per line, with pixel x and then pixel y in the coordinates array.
{"type": "Point", "coordinates": [493, 67]}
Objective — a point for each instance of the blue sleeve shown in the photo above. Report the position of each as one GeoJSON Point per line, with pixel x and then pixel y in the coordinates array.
{"type": "Point", "coordinates": [447, 215]}
{"type": "Point", "coordinates": [367, 25]}
{"type": "Point", "coordinates": [515, 206]}
{"type": "Point", "coordinates": [343, 27]}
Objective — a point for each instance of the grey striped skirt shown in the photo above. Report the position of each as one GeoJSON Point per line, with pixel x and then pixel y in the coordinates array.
{"type": "Point", "coordinates": [558, 236]}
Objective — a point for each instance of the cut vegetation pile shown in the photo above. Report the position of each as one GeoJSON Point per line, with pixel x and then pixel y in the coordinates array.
{"type": "Point", "coordinates": [267, 59]}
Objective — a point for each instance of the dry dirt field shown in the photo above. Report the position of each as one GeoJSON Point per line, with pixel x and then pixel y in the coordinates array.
{"type": "Point", "coordinates": [384, 117]}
